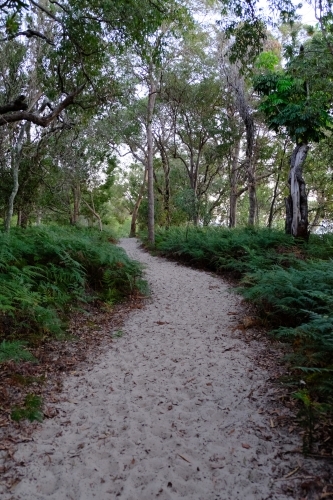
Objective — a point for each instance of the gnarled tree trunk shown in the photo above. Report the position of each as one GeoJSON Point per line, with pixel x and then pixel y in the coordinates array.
{"type": "Point", "coordinates": [297, 202]}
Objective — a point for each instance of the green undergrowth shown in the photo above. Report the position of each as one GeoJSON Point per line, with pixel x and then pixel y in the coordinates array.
{"type": "Point", "coordinates": [31, 409]}
{"type": "Point", "coordinates": [291, 284]}
{"type": "Point", "coordinates": [47, 271]}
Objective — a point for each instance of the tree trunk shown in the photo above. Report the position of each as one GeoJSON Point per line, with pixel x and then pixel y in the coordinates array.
{"type": "Point", "coordinates": [271, 210]}
{"type": "Point", "coordinates": [233, 185]}
{"type": "Point", "coordinates": [150, 157]}
{"type": "Point", "coordinates": [250, 164]}
{"type": "Point", "coordinates": [76, 191]}
{"type": "Point", "coordinates": [15, 165]}
{"type": "Point", "coordinates": [297, 201]}
{"type": "Point", "coordinates": [137, 205]}
{"type": "Point", "coordinates": [166, 169]}
{"type": "Point", "coordinates": [24, 219]}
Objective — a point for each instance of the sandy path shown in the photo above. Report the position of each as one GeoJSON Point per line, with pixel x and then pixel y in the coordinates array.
{"type": "Point", "coordinates": [163, 414]}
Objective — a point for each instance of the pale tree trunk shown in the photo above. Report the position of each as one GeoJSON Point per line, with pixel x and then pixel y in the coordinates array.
{"type": "Point", "coordinates": [15, 165]}
{"type": "Point", "coordinates": [236, 83]}
{"type": "Point", "coordinates": [137, 205]}
{"type": "Point", "coordinates": [297, 201]}
{"type": "Point", "coordinates": [15, 161]}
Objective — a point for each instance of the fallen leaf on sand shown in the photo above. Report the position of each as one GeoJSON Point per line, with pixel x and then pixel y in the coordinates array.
{"type": "Point", "coordinates": [181, 456]}
{"type": "Point", "coordinates": [291, 473]}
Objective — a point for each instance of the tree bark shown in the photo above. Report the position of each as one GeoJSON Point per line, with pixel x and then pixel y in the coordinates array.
{"type": "Point", "coordinates": [150, 156]}
{"type": "Point", "coordinates": [15, 165]}
{"type": "Point", "coordinates": [236, 83]}
{"type": "Point", "coordinates": [233, 185]}
{"type": "Point", "coordinates": [76, 191]}
{"type": "Point", "coordinates": [137, 205]}
{"type": "Point", "coordinates": [166, 170]}
{"type": "Point", "coordinates": [297, 202]}
{"type": "Point", "coordinates": [271, 210]}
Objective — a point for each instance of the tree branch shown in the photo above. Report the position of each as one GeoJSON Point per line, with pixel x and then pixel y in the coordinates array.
{"type": "Point", "coordinates": [42, 121]}
{"type": "Point", "coordinates": [17, 105]}
{"type": "Point", "coordinates": [29, 33]}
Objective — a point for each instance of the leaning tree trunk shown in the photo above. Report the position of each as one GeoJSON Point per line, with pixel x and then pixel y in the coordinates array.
{"type": "Point", "coordinates": [297, 202]}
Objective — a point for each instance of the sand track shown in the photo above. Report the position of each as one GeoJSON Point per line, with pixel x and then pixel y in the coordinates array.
{"type": "Point", "coordinates": [163, 414]}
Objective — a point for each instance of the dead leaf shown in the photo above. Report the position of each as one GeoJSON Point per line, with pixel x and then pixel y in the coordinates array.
{"type": "Point", "coordinates": [291, 473]}
{"type": "Point", "coordinates": [181, 456]}
{"type": "Point", "coordinates": [249, 321]}
{"type": "Point", "coordinates": [245, 445]}
{"type": "Point", "coordinates": [189, 380]}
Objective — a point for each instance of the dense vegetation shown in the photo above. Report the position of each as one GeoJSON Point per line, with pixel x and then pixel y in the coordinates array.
{"type": "Point", "coordinates": [47, 272]}
{"type": "Point", "coordinates": [289, 282]}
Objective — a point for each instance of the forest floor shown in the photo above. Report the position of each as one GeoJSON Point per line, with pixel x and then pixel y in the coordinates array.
{"type": "Point", "coordinates": [184, 403]}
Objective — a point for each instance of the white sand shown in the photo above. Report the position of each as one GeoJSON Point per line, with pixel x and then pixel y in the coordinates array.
{"type": "Point", "coordinates": [164, 413]}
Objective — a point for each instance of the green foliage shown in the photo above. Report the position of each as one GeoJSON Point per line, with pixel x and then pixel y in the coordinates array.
{"type": "Point", "coordinates": [14, 351]}
{"type": "Point", "coordinates": [247, 24]}
{"type": "Point", "coordinates": [46, 271]}
{"type": "Point", "coordinates": [227, 250]}
{"type": "Point", "coordinates": [267, 61]}
{"type": "Point", "coordinates": [118, 334]}
{"type": "Point", "coordinates": [30, 410]}
{"type": "Point", "coordinates": [286, 104]}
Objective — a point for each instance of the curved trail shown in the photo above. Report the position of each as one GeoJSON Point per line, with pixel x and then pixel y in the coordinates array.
{"type": "Point", "coordinates": [164, 413]}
